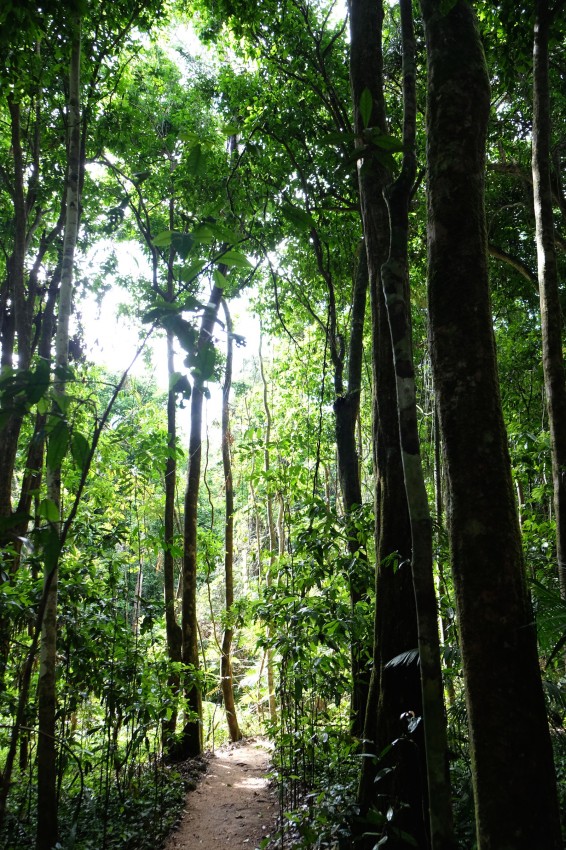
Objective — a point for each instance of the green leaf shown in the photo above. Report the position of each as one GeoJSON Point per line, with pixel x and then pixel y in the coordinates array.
{"type": "Point", "coordinates": [383, 141]}
{"type": "Point", "coordinates": [188, 135]}
{"type": "Point", "coordinates": [204, 362]}
{"type": "Point", "coordinates": [62, 400]}
{"type": "Point", "coordinates": [219, 279]}
{"type": "Point", "coordinates": [298, 217]}
{"type": "Point", "coordinates": [366, 106]}
{"type": "Point", "coordinates": [188, 273]}
{"type": "Point", "coordinates": [204, 234]}
{"type": "Point", "coordinates": [64, 374]}
{"type": "Point", "coordinates": [39, 382]}
{"type": "Point", "coordinates": [230, 129]}
{"type": "Point", "coordinates": [404, 658]}
{"type": "Point", "coordinates": [58, 444]}
{"type": "Point", "coordinates": [174, 379]}
{"type": "Point", "coordinates": [163, 239]}
{"type": "Point", "coordinates": [48, 510]}
{"type": "Point", "coordinates": [139, 176]}
{"type": "Point", "coordinates": [51, 545]}
{"type": "Point", "coordinates": [183, 330]}
{"type": "Point", "coordinates": [183, 244]}
{"type": "Point", "coordinates": [196, 161]}
{"type": "Point", "coordinates": [80, 449]}
{"type": "Point", "coordinates": [235, 259]}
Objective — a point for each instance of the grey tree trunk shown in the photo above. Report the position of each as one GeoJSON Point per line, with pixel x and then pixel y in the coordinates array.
{"type": "Point", "coordinates": [226, 675]}
{"type": "Point", "coordinates": [273, 549]}
{"type": "Point", "coordinates": [513, 774]}
{"type": "Point", "coordinates": [47, 820]}
{"type": "Point", "coordinates": [394, 690]}
{"type": "Point", "coordinates": [172, 627]}
{"type": "Point", "coordinates": [548, 280]}
{"type": "Point", "coordinates": [192, 743]}
{"type": "Point", "coordinates": [395, 276]}
{"type": "Point", "coordinates": [346, 413]}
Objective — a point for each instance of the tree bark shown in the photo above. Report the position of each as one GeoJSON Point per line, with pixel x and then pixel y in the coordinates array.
{"type": "Point", "coordinates": [47, 819]}
{"type": "Point", "coordinates": [21, 330]}
{"type": "Point", "coordinates": [513, 774]}
{"type": "Point", "coordinates": [226, 676]}
{"type": "Point", "coordinates": [272, 539]}
{"type": "Point", "coordinates": [172, 627]}
{"type": "Point", "coordinates": [394, 690]}
{"type": "Point", "coordinates": [548, 280]}
{"type": "Point", "coordinates": [346, 412]}
{"type": "Point", "coordinates": [395, 277]}
{"type": "Point", "coordinates": [192, 743]}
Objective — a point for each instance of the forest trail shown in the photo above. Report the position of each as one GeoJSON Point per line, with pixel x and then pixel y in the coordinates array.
{"type": "Point", "coordinates": [232, 807]}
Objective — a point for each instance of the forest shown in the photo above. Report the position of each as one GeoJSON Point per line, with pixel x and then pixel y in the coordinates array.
{"type": "Point", "coordinates": [323, 501]}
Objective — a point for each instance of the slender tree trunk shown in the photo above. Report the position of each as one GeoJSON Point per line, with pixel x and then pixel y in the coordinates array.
{"type": "Point", "coordinates": [272, 537]}
{"type": "Point", "coordinates": [395, 276]}
{"type": "Point", "coordinates": [17, 260]}
{"type": "Point", "coordinates": [548, 280]}
{"type": "Point", "coordinates": [226, 676]}
{"type": "Point", "coordinates": [513, 774]}
{"type": "Point", "coordinates": [21, 329]}
{"type": "Point", "coordinates": [394, 690]}
{"type": "Point", "coordinates": [47, 820]}
{"type": "Point", "coordinates": [346, 412]}
{"type": "Point", "coordinates": [192, 742]}
{"type": "Point", "coordinates": [172, 627]}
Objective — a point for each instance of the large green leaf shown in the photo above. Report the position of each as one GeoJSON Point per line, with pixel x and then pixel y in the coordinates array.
{"type": "Point", "coordinates": [38, 382]}
{"type": "Point", "coordinates": [299, 218]}
{"type": "Point", "coordinates": [183, 330]}
{"type": "Point", "coordinates": [196, 161]}
{"type": "Point", "coordinates": [235, 259]}
{"type": "Point", "coordinates": [204, 362]}
{"type": "Point", "coordinates": [80, 449]}
{"type": "Point", "coordinates": [163, 239]}
{"type": "Point", "coordinates": [58, 444]}
{"type": "Point", "coordinates": [48, 510]}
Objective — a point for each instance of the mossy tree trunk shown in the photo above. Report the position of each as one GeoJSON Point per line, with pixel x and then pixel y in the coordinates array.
{"type": "Point", "coordinates": [395, 277]}
{"type": "Point", "coordinates": [346, 413]}
{"type": "Point", "coordinates": [512, 769]}
{"type": "Point", "coordinates": [395, 690]}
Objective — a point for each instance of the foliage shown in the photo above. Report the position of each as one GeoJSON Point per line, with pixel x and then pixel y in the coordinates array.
{"type": "Point", "coordinates": [236, 168]}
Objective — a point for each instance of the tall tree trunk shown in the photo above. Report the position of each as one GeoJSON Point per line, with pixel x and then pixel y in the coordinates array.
{"type": "Point", "coordinates": [172, 627]}
{"type": "Point", "coordinates": [47, 820]}
{"type": "Point", "coordinates": [513, 774]}
{"type": "Point", "coordinates": [548, 280]}
{"type": "Point", "coordinates": [273, 549]}
{"type": "Point", "coordinates": [226, 677]}
{"type": "Point", "coordinates": [192, 743]}
{"type": "Point", "coordinates": [346, 412]}
{"type": "Point", "coordinates": [394, 690]}
{"type": "Point", "coordinates": [21, 328]}
{"type": "Point", "coordinates": [395, 276]}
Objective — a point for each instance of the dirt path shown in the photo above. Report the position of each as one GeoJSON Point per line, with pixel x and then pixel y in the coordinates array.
{"type": "Point", "coordinates": [232, 807]}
